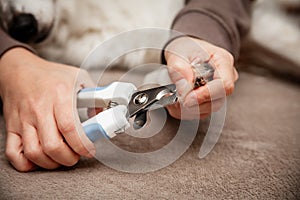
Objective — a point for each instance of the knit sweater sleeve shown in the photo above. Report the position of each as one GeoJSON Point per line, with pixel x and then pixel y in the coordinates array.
{"type": "Point", "coordinates": [7, 43]}
{"type": "Point", "coordinates": [220, 22]}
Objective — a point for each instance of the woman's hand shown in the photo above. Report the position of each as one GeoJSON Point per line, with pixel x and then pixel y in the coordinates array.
{"type": "Point", "coordinates": [39, 110]}
{"type": "Point", "coordinates": [200, 102]}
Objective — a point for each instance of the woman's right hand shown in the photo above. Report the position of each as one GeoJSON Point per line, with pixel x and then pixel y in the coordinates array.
{"type": "Point", "coordinates": [38, 104]}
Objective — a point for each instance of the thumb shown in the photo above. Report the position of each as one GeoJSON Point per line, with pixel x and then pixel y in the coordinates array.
{"type": "Point", "coordinates": [181, 74]}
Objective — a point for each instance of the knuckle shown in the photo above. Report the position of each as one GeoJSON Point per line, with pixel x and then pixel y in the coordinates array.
{"type": "Point", "coordinates": [67, 127]}
{"type": "Point", "coordinates": [51, 148]}
{"type": "Point", "coordinates": [18, 165]}
{"type": "Point", "coordinates": [229, 87]}
{"type": "Point", "coordinates": [228, 55]}
{"type": "Point", "coordinates": [10, 154]}
{"type": "Point", "coordinates": [205, 96]}
{"type": "Point", "coordinates": [32, 154]}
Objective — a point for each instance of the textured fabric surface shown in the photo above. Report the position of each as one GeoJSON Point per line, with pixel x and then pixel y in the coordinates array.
{"type": "Point", "coordinates": [257, 157]}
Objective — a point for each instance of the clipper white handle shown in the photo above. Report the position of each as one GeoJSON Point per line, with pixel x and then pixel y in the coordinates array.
{"type": "Point", "coordinates": [106, 124]}
{"type": "Point", "coordinates": [117, 92]}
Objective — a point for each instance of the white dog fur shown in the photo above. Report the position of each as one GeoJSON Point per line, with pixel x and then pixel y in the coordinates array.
{"type": "Point", "coordinates": [81, 25]}
{"type": "Point", "coordinates": [275, 29]}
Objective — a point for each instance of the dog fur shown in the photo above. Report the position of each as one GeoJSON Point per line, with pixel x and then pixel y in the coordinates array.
{"type": "Point", "coordinates": [276, 29]}
{"type": "Point", "coordinates": [76, 26]}
{"type": "Point", "coordinates": [79, 26]}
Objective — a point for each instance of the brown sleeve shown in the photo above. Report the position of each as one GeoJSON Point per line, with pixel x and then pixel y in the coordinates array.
{"type": "Point", "coordinates": [7, 43]}
{"type": "Point", "coordinates": [220, 22]}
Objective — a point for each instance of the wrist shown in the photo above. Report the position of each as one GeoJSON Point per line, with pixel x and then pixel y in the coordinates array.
{"type": "Point", "coordinates": [167, 49]}
{"type": "Point", "coordinates": [15, 55]}
{"type": "Point", "coordinates": [11, 61]}
{"type": "Point", "coordinates": [18, 58]}
{"type": "Point", "coordinates": [184, 46]}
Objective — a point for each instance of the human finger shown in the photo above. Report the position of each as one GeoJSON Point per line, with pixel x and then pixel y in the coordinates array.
{"type": "Point", "coordinates": [225, 70]}
{"type": "Point", "coordinates": [66, 120]}
{"type": "Point", "coordinates": [178, 111]}
{"type": "Point", "coordinates": [53, 143]}
{"type": "Point", "coordinates": [174, 110]}
{"type": "Point", "coordinates": [213, 90]}
{"type": "Point", "coordinates": [206, 107]}
{"type": "Point", "coordinates": [181, 74]}
{"type": "Point", "coordinates": [33, 150]}
{"type": "Point", "coordinates": [203, 116]}
{"type": "Point", "coordinates": [15, 155]}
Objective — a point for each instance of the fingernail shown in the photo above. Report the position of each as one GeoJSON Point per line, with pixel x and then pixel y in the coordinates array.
{"type": "Point", "coordinates": [191, 100]}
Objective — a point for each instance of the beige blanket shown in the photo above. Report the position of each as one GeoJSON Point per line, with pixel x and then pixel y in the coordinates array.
{"type": "Point", "coordinates": [257, 157]}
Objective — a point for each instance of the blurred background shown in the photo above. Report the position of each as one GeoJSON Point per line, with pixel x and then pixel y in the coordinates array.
{"type": "Point", "coordinates": [273, 44]}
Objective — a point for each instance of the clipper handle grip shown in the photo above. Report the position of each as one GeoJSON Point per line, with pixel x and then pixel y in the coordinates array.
{"type": "Point", "coordinates": [106, 124]}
